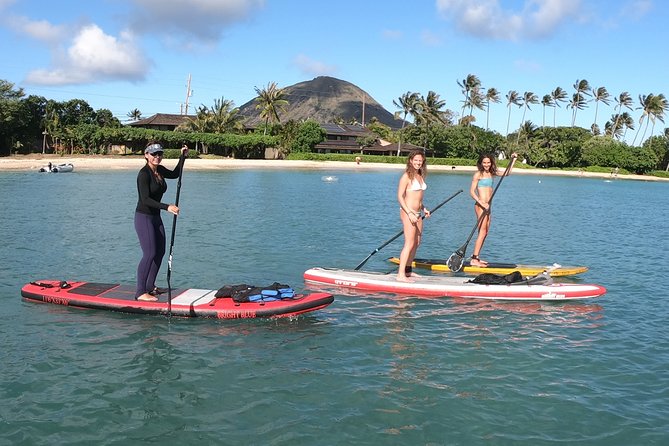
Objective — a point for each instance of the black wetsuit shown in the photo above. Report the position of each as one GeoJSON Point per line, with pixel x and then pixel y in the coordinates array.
{"type": "Point", "coordinates": [149, 225]}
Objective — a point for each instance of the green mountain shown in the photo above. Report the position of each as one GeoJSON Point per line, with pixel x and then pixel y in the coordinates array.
{"type": "Point", "coordinates": [326, 99]}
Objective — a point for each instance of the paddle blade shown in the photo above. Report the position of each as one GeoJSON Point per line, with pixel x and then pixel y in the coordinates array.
{"type": "Point", "coordinates": [454, 262]}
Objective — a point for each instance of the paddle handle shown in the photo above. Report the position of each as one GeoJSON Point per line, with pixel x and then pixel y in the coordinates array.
{"type": "Point", "coordinates": [174, 230]}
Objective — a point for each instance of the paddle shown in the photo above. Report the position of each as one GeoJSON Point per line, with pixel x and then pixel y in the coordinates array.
{"type": "Point", "coordinates": [454, 262]}
{"type": "Point", "coordinates": [174, 230]}
{"type": "Point", "coordinates": [402, 231]}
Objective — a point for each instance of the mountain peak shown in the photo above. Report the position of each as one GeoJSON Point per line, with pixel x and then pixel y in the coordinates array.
{"type": "Point", "coordinates": [326, 99]}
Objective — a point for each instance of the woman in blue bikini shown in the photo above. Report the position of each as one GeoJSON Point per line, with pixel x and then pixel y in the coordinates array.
{"type": "Point", "coordinates": [410, 197]}
{"type": "Point", "coordinates": [481, 191]}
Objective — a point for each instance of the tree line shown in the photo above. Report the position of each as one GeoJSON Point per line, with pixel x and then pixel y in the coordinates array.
{"type": "Point", "coordinates": [35, 123]}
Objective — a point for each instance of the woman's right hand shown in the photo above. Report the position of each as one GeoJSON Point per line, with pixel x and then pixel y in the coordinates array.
{"type": "Point", "coordinates": [173, 209]}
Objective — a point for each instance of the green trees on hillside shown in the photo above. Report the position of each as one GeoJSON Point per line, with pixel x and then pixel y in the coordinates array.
{"type": "Point", "coordinates": [35, 123]}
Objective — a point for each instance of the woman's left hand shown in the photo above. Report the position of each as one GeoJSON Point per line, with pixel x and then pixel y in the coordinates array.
{"type": "Point", "coordinates": [427, 212]}
{"type": "Point", "coordinates": [184, 150]}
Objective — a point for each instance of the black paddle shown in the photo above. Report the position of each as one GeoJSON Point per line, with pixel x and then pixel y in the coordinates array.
{"type": "Point", "coordinates": [174, 230]}
{"type": "Point", "coordinates": [454, 262]}
{"type": "Point", "coordinates": [402, 231]}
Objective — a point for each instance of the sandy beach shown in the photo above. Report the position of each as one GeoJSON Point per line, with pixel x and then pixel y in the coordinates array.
{"type": "Point", "coordinates": [99, 162]}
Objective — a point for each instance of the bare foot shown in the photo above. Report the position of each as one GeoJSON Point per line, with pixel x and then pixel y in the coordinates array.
{"type": "Point", "coordinates": [412, 274]}
{"type": "Point", "coordinates": [479, 263]}
{"type": "Point", "coordinates": [146, 297]}
{"type": "Point", "coordinates": [404, 279]}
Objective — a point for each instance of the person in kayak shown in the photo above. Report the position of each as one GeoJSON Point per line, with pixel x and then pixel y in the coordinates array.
{"type": "Point", "coordinates": [151, 186]}
{"type": "Point", "coordinates": [481, 191]}
{"type": "Point", "coordinates": [410, 193]}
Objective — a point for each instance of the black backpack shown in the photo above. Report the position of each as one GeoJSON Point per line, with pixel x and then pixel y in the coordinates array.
{"type": "Point", "coordinates": [497, 279]}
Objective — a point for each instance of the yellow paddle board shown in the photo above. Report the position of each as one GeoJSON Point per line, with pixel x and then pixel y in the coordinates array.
{"type": "Point", "coordinates": [497, 268]}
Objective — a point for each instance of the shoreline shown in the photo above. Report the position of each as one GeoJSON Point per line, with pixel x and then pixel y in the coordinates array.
{"type": "Point", "coordinates": [32, 163]}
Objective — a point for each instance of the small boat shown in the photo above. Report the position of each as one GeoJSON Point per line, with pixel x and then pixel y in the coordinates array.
{"type": "Point", "coordinates": [57, 168]}
{"type": "Point", "coordinates": [538, 288]}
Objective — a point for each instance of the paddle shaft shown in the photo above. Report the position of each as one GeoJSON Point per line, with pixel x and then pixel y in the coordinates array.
{"type": "Point", "coordinates": [174, 230]}
{"type": "Point", "coordinates": [402, 231]}
{"type": "Point", "coordinates": [463, 248]}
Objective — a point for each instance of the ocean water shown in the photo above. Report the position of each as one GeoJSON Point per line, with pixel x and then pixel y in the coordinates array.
{"type": "Point", "coordinates": [370, 368]}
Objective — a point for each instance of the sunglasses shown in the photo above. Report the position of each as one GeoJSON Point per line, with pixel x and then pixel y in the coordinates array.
{"type": "Point", "coordinates": [155, 154]}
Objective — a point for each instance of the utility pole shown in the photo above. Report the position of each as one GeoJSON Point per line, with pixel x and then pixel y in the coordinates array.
{"type": "Point", "coordinates": [363, 109]}
{"type": "Point", "coordinates": [189, 93]}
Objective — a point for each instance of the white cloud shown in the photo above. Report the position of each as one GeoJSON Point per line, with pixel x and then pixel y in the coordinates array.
{"type": "Point", "coordinates": [637, 8]}
{"type": "Point", "coordinates": [204, 20]}
{"type": "Point", "coordinates": [488, 19]}
{"type": "Point", "coordinates": [40, 30]}
{"type": "Point", "coordinates": [94, 56]}
{"type": "Point", "coordinates": [5, 3]}
{"type": "Point", "coordinates": [312, 67]}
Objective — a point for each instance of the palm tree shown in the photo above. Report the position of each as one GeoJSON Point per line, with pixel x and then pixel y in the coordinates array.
{"type": "Point", "coordinates": [428, 111]}
{"type": "Point", "coordinates": [546, 101]}
{"type": "Point", "coordinates": [578, 100]}
{"type": "Point", "coordinates": [528, 98]}
{"type": "Point", "coordinates": [600, 95]}
{"type": "Point", "coordinates": [622, 100]}
{"type": "Point", "coordinates": [511, 98]}
{"type": "Point", "coordinates": [659, 109]}
{"type": "Point", "coordinates": [476, 100]}
{"type": "Point", "coordinates": [470, 83]}
{"type": "Point", "coordinates": [558, 95]}
{"type": "Point", "coordinates": [526, 130]}
{"type": "Point", "coordinates": [407, 104]}
{"type": "Point", "coordinates": [201, 123]}
{"type": "Point", "coordinates": [611, 127]}
{"type": "Point", "coordinates": [271, 100]}
{"type": "Point", "coordinates": [135, 114]}
{"type": "Point", "coordinates": [225, 116]}
{"type": "Point", "coordinates": [491, 95]}
{"type": "Point", "coordinates": [619, 122]}
{"type": "Point", "coordinates": [654, 107]}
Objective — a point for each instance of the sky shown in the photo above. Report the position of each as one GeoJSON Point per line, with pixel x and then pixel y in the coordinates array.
{"type": "Point", "coordinates": [127, 54]}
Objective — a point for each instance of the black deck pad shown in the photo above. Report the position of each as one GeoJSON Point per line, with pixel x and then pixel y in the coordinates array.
{"type": "Point", "coordinates": [93, 289]}
{"type": "Point", "coordinates": [116, 291]}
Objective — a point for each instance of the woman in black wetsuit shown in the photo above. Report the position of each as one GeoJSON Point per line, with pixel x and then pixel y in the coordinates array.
{"type": "Point", "coordinates": [151, 186]}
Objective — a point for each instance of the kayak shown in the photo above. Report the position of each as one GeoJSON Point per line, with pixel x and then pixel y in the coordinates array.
{"type": "Point", "coordinates": [497, 268]}
{"type": "Point", "coordinates": [185, 302]}
{"type": "Point", "coordinates": [539, 288]}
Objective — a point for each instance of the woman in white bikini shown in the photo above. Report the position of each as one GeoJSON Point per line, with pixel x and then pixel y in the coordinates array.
{"type": "Point", "coordinates": [481, 191]}
{"type": "Point", "coordinates": [410, 196]}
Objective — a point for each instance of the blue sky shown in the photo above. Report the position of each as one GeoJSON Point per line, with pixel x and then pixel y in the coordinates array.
{"type": "Point", "coordinates": [126, 54]}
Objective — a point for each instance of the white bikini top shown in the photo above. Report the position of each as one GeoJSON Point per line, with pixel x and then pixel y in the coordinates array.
{"type": "Point", "coordinates": [417, 185]}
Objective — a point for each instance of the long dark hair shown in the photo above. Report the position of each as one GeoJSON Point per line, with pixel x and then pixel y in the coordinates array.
{"type": "Point", "coordinates": [493, 164]}
{"type": "Point", "coordinates": [411, 172]}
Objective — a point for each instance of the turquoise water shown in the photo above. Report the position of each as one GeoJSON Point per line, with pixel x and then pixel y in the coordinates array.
{"type": "Point", "coordinates": [369, 369]}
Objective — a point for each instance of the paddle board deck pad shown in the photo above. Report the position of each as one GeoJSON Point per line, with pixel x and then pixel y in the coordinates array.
{"type": "Point", "coordinates": [185, 302]}
{"type": "Point", "coordinates": [497, 268]}
{"type": "Point", "coordinates": [452, 286]}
